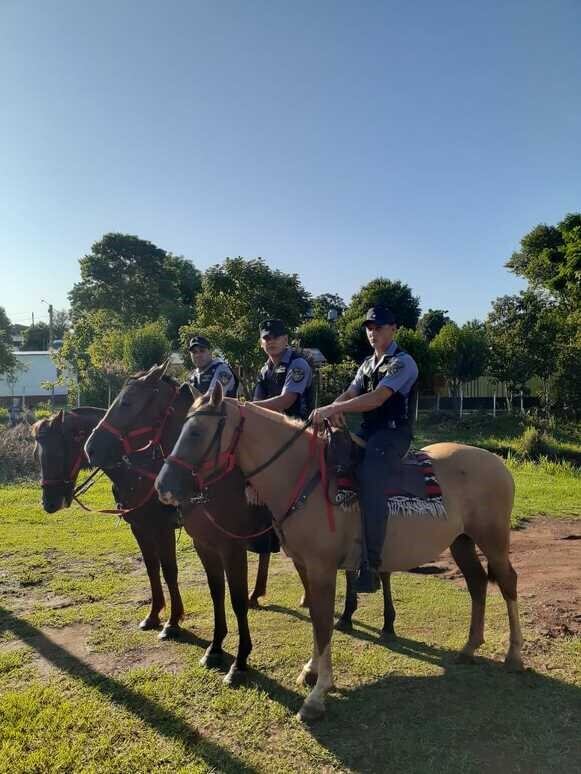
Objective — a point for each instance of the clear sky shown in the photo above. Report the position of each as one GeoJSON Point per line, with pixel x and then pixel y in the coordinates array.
{"type": "Point", "coordinates": [341, 140]}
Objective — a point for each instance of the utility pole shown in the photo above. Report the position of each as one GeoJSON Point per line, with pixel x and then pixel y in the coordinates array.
{"type": "Point", "coordinates": [49, 326]}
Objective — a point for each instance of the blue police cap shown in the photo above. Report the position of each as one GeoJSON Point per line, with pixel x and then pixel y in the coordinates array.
{"type": "Point", "coordinates": [199, 341]}
{"type": "Point", "coordinates": [380, 315]}
{"type": "Point", "coordinates": [272, 328]}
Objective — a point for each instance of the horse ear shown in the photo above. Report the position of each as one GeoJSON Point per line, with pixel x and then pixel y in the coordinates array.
{"type": "Point", "coordinates": [58, 420]}
{"type": "Point", "coordinates": [155, 372]}
{"type": "Point", "coordinates": [217, 395]}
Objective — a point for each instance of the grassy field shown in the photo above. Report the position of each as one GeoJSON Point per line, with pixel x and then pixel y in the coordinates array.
{"type": "Point", "coordinates": [82, 689]}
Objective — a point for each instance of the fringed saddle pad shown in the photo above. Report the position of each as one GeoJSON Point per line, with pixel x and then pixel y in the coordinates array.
{"type": "Point", "coordinates": [399, 503]}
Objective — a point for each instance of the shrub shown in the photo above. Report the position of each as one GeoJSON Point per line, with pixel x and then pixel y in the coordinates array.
{"type": "Point", "coordinates": [532, 443]}
{"type": "Point", "coordinates": [334, 379]}
{"type": "Point", "coordinates": [17, 462]}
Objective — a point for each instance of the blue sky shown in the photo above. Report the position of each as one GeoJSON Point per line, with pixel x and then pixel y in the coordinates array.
{"type": "Point", "coordinates": [341, 140]}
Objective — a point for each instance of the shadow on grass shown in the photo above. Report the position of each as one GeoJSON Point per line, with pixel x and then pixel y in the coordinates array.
{"type": "Point", "coordinates": [155, 715]}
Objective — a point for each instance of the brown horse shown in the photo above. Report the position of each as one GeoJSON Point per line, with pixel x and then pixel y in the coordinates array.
{"type": "Point", "coordinates": [478, 493]}
{"type": "Point", "coordinates": [143, 403]}
{"type": "Point", "coordinates": [60, 443]}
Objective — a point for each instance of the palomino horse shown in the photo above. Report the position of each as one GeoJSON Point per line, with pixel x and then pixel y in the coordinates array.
{"type": "Point", "coordinates": [149, 401]}
{"type": "Point", "coordinates": [277, 456]}
{"type": "Point", "coordinates": [60, 443]}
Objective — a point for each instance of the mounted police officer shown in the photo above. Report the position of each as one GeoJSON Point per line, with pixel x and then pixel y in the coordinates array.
{"type": "Point", "coordinates": [380, 391]}
{"type": "Point", "coordinates": [285, 382]}
{"type": "Point", "coordinates": [209, 370]}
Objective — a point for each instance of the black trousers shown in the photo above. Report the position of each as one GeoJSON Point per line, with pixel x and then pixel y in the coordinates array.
{"type": "Point", "coordinates": [385, 449]}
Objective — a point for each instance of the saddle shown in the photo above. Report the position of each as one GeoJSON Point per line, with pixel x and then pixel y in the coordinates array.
{"type": "Point", "coordinates": [412, 478]}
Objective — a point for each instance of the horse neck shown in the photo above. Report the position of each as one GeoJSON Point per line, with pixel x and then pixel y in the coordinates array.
{"type": "Point", "coordinates": [261, 439]}
{"type": "Point", "coordinates": [173, 427]}
{"type": "Point", "coordinates": [86, 418]}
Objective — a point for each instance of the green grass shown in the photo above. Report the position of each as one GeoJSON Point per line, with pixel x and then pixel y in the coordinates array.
{"type": "Point", "coordinates": [113, 699]}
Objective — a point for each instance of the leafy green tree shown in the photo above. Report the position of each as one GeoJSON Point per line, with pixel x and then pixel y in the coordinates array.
{"type": "Point", "coordinates": [145, 346]}
{"type": "Point", "coordinates": [550, 257]}
{"type": "Point", "coordinates": [460, 355]}
{"type": "Point", "coordinates": [322, 304]}
{"type": "Point", "coordinates": [393, 294]}
{"type": "Point", "coordinates": [235, 296]}
{"type": "Point", "coordinates": [8, 362]}
{"type": "Point", "coordinates": [60, 323]}
{"type": "Point", "coordinates": [137, 281]}
{"type": "Point", "coordinates": [35, 338]}
{"type": "Point", "coordinates": [523, 335]}
{"type": "Point", "coordinates": [432, 322]}
{"type": "Point", "coordinates": [319, 334]}
{"type": "Point", "coordinates": [565, 390]}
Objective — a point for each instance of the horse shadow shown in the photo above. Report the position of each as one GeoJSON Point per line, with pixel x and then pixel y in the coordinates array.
{"type": "Point", "coordinates": [159, 718]}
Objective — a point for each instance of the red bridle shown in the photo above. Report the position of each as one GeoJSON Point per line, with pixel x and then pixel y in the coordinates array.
{"type": "Point", "coordinates": [156, 429]}
{"type": "Point", "coordinates": [75, 467]}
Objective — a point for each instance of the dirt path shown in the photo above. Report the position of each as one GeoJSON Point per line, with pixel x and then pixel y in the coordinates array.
{"type": "Point", "coordinates": [546, 554]}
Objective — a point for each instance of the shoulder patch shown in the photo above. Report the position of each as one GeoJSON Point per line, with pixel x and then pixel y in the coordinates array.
{"type": "Point", "coordinates": [394, 366]}
{"type": "Point", "coordinates": [224, 377]}
{"type": "Point", "coordinates": [297, 374]}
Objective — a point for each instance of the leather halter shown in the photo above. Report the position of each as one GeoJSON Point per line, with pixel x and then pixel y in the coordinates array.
{"type": "Point", "coordinates": [227, 458]}
{"type": "Point", "coordinates": [71, 477]}
{"type": "Point", "coordinates": [156, 429]}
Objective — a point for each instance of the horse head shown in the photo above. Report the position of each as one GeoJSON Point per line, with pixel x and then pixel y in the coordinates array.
{"type": "Point", "coordinates": [135, 418]}
{"type": "Point", "coordinates": [204, 451]}
{"type": "Point", "coordinates": [59, 450]}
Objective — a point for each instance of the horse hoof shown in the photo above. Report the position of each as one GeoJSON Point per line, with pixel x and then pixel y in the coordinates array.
{"type": "Point", "coordinates": [170, 632]}
{"type": "Point", "coordinates": [304, 602]}
{"type": "Point", "coordinates": [343, 625]}
{"type": "Point", "coordinates": [387, 635]}
{"type": "Point", "coordinates": [149, 623]}
{"type": "Point", "coordinates": [235, 677]}
{"type": "Point", "coordinates": [253, 603]}
{"type": "Point", "coordinates": [465, 658]}
{"type": "Point", "coordinates": [311, 712]}
{"type": "Point", "coordinates": [212, 660]}
{"type": "Point", "coordinates": [514, 664]}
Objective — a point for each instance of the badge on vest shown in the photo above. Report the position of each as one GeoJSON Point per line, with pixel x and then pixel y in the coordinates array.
{"type": "Point", "coordinates": [297, 374]}
{"type": "Point", "coordinates": [281, 369]}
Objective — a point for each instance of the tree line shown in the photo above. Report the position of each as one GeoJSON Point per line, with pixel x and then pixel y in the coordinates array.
{"type": "Point", "coordinates": [135, 302]}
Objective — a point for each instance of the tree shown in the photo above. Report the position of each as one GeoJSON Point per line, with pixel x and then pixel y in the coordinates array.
{"type": "Point", "coordinates": [322, 304]}
{"type": "Point", "coordinates": [550, 257]}
{"type": "Point", "coordinates": [460, 355]}
{"type": "Point", "coordinates": [393, 294]}
{"type": "Point", "coordinates": [235, 296]}
{"type": "Point", "coordinates": [319, 334]}
{"type": "Point", "coordinates": [145, 346]}
{"type": "Point", "coordinates": [419, 349]}
{"type": "Point", "coordinates": [137, 281]}
{"type": "Point", "coordinates": [523, 335]}
{"type": "Point", "coordinates": [8, 362]}
{"type": "Point", "coordinates": [60, 323]}
{"type": "Point", "coordinates": [35, 338]}
{"type": "Point", "coordinates": [432, 322]}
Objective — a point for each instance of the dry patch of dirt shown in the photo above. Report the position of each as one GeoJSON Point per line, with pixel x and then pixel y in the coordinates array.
{"type": "Point", "coordinates": [547, 557]}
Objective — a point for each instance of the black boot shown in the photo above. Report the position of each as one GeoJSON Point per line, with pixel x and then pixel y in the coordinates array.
{"type": "Point", "coordinates": [368, 580]}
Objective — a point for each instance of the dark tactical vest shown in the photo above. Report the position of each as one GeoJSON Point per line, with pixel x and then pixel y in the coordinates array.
{"type": "Point", "coordinates": [272, 381]}
{"type": "Point", "coordinates": [202, 381]}
{"type": "Point", "coordinates": [394, 412]}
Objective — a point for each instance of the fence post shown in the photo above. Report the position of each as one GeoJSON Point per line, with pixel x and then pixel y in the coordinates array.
{"type": "Point", "coordinates": [494, 404]}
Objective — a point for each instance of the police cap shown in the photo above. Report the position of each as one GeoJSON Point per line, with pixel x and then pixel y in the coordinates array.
{"type": "Point", "coordinates": [380, 315]}
{"type": "Point", "coordinates": [272, 328]}
{"type": "Point", "coordinates": [199, 341]}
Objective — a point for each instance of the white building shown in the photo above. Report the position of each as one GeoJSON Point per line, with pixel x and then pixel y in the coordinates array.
{"type": "Point", "coordinates": [26, 384]}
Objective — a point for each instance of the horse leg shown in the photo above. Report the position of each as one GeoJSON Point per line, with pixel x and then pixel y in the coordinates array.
{"type": "Point", "coordinates": [237, 575]}
{"type": "Point", "coordinates": [322, 603]}
{"type": "Point", "coordinates": [261, 578]}
{"type": "Point", "coordinates": [144, 536]}
{"type": "Point", "coordinates": [388, 632]}
{"type": "Point", "coordinates": [502, 571]}
{"type": "Point", "coordinates": [169, 567]}
{"type": "Point", "coordinates": [305, 581]}
{"type": "Point", "coordinates": [215, 574]}
{"type": "Point", "coordinates": [463, 550]}
{"type": "Point", "coordinates": [345, 624]}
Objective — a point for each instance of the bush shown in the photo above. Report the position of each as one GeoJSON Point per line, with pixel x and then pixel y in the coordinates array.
{"type": "Point", "coordinates": [532, 443]}
{"type": "Point", "coordinates": [319, 334]}
{"type": "Point", "coordinates": [334, 379]}
{"type": "Point", "coordinates": [17, 462]}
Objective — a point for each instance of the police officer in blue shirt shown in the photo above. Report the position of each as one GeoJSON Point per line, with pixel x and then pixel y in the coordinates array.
{"type": "Point", "coordinates": [285, 382]}
{"type": "Point", "coordinates": [380, 391]}
{"type": "Point", "coordinates": [209, 370]}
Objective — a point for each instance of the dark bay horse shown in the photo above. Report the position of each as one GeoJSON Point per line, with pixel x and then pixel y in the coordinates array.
{"type": "Point", "coordinates": [60, 442]}
{"type": "Point", "coordinates": [271, 450]}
